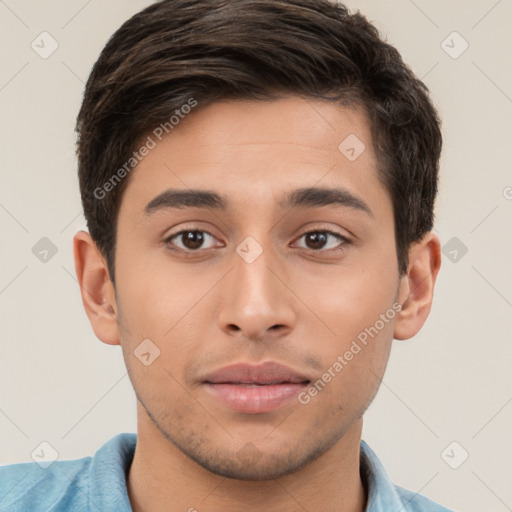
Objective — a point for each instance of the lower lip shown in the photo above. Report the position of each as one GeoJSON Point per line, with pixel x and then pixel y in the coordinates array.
{"type": "Point", "coordinates": [255, 399]}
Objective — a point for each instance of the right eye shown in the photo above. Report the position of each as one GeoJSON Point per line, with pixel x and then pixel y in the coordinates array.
{"type": "Point", "coordinates": [191, 240]}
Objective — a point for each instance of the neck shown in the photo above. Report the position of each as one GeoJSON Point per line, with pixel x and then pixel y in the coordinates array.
{"type": "Point", "coordinates": [162, 478]}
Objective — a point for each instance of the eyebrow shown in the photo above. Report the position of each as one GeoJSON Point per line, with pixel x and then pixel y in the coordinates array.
{"type": "Point", "coordinates": [309, 197]}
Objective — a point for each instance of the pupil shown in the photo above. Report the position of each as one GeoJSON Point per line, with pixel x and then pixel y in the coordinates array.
{"type": "Point", "coordinates": [193, 239]}
{"type": "Point", "coordinates": [315, 237]}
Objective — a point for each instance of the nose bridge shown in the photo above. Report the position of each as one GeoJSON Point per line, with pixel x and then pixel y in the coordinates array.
{"type": "Point", "coordinates": [252, 270]}
{"type": "Point", "coordinates": [255, 283]}
{"type": "Point", "coordinates": [255, 299]}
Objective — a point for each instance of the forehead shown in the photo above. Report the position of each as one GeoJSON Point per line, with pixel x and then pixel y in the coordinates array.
{"type": "Point", "coordinates": [311, 125]}
{"type": "Point", "coordinates": [254, 151]}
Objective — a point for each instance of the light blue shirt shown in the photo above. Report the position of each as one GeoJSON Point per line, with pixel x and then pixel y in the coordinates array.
{"type": "Point", "coordinates": [98, 484]}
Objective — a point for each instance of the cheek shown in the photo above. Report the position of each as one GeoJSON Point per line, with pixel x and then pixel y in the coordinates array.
{"type": "Point", "coordinates": [150, 292]}
{"type": "Point", "coordinates": [357, 306]}
{"type": "Point", "coordinates": [159, 303]}
{"type": "Point", "coordinates": [354, 298]}
{"type": "Point", "coordinates": [352, 372]}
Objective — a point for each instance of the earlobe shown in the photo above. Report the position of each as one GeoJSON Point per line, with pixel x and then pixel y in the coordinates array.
{"type": "Point", "coordinates": [417, 286]}
{"type": "Point", "coordinates": [98, 294]}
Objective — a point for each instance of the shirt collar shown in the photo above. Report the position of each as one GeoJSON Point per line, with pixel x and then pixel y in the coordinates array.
{"type": "Point", "coordinates": [381, 492]}
{"type": "Point", "coordinates": [108, 474]}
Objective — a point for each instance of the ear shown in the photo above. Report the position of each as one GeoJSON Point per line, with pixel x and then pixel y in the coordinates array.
{"type": "Point", "coordinates": [417, 286]}
{"type": "Point", "coordinates": [98, 294]}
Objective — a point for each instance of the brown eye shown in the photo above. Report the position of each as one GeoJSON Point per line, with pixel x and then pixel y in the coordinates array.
{"type": "Point", "coordinates": [318, 240]}
{"type": "Point", "coordinates": [191, 240]}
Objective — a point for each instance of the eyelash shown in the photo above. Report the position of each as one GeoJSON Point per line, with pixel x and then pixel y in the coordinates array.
{"type": "Point", "coordinates": [189, 252]}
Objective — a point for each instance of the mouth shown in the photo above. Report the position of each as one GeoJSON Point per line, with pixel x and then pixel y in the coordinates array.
{"type": "Point", "coordinates": [254, 398]}
{"type": "Point", "coordinates": [253, 384]}
{"type": "Point", "coordinates": [255, 389]}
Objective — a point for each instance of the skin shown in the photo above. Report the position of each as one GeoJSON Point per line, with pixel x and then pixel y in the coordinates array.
{"type": "Point", "coordinates": [213, 308]}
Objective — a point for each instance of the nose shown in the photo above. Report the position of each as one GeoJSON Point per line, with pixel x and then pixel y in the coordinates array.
{"type": "Point", "coordinates": [257, 302]}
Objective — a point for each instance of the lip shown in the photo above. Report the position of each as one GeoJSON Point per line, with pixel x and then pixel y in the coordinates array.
{"type": "Point", "coordinates": [255, 388]}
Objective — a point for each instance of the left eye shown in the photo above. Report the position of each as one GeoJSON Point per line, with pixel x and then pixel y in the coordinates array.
{"type": "Point", "coordinates": [320, 238]}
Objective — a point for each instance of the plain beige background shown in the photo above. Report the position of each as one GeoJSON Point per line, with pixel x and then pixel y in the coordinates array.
{"type": "Point", "coordinates": [452, 382]}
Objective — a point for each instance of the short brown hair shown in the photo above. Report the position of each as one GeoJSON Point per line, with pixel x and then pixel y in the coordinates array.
{"type": "Point", "coordinates": [209, 50]}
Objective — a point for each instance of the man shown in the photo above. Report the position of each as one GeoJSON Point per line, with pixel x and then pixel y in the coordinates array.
{"type": "Point", "coordinates": [258, 180]}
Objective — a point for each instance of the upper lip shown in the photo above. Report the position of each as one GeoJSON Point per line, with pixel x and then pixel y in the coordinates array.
{"type": "Point", "coordinates": [269, 372]}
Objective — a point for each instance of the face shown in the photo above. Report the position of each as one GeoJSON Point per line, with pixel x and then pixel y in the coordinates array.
{"type": "Point", "coordinates": [261, 274]}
